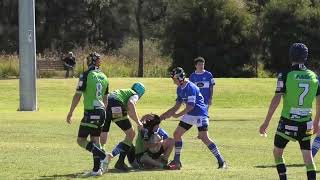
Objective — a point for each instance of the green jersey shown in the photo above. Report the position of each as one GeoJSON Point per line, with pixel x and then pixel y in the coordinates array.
{"type": "Point", "coordinates": [94, 84]}
{"type": "Point", "coordinates": [299, 87]}
{"type": "Point", "coordinates": [123, 95]}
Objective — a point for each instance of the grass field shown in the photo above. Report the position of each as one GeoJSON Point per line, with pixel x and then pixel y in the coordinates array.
{"type": "Point", "coordinates": [40, 145]}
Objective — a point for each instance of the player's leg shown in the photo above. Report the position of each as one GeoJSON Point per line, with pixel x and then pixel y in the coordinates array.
{"type": "Point", "coordinates": [177, 135]}
{"type": "Point", "coordinates": [105, 132]}
{"type": "Point", "coordinates": [67, 72]}
{"type": "Point", "coordinates": [149, 162]}
{"type": "Point", "coordinates": [168, 145]}
{"type": "Point", "coordinates": [72, 71]}
{"type": "Point", "coordinates": [202, 124]}
{"type": "Point", "coordinates": [123, 147]}
{"type": "Point", "coordinates": [316, 145]}
{"type": "Point", "coordinates": [91, 146]}
{"type": "Point", "coordinates": [279, 145]}
{"type": "Point", "coordinates": [203, 135]}
{"type": "Point", "coordinates": [305, 147]}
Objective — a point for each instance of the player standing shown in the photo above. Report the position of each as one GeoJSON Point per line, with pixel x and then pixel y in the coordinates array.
{"type": "Point", "coordinates": [195, 113]}
{"type": "Point", "coordinates": [94, 85]}
{"type": "Point", "coordinates": [203, 79]}
{"type": "Point", "coordinates": [298, 87]}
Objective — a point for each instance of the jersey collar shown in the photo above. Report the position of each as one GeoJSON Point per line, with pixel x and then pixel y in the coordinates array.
{"type": "Point", "coordinates": [298, 67]}
{"type": "Point", "coordinates": [182, 87]}
{"type": "Point", "coordinates": [94, 68]}
{"type": "Point", "coordinates": [200, 72]}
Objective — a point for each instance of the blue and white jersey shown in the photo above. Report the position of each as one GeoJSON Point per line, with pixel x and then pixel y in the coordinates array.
{"type": "Point", "coordinates": [204, 81]}
{"type": "Point", "coordinates": [162, 133]}
{"type": "Point", "coordinates": [190, 94]}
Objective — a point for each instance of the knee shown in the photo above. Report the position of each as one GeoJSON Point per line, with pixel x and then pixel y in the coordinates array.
{"type": "Point", "coordinates": [169, 142]}
{"type": "Point", "coordinates": [131, 134]}
{"type": "Point", "coordinates": [204, 138]}
{"type": "Point", "coordinates": [277, 152]}
{"type": "Point", "coordinates": [80, 141]}
{"type": "Point", "coordinates": [177, 135]}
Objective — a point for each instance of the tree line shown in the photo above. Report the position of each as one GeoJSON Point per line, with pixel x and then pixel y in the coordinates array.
{"type": "Point", "coordinates": [234, 36]}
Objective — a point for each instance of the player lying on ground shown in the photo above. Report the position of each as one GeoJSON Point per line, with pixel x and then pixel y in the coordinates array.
{"type": "Point", "coordinates": [153, 146]}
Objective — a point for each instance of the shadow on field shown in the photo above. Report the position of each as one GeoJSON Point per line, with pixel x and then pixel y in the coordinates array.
{"type": "Point", "coordinates": [63, 176]}
{"type": "Point", "coordinates": [81, 174]}
{"type": "Point", "coordinates": [233, 120]}
{"type": "Point", "coordinates": [274, 166]}
{"type": "Point", "coordinates": [133, 170]}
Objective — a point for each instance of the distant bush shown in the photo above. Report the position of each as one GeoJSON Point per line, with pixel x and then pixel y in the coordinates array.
{"type": "Point", "coordinates": [122, 63]}
{"type": "Point", "coordinates": [9, 66]}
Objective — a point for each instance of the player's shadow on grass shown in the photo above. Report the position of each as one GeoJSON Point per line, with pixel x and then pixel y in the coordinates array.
{"type": "Point", "coordinates": [134, 170]}
{"type": "Point", "coordinates": [287, 165]}
{"type": "Point", "coordinates": [274, 166]}
{"type": "Point", "coordinates": [233, 120]}
{"type": "Point", "coordinates": [63, 176]}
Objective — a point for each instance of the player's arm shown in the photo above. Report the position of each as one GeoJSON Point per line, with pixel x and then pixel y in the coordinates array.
{"type": "Point", "coordinates": [212, 84]}
{"type": "Point", "coordinates": [132, 112]}
{"type": "Point", "coordinates": [75, 100]}
{"type": "Point", "coordinates": [82, 84]}
{"type": "Point", "coordinates": [280, 90]}
{"type": "Point", "coordinates": [273, 106]}
{"type": "Point", "coordinates": [170, 112]}
{"type": "Point", "coordinates": [187, 109]}
{"type": "Point", "coordinates": [317, 117]}
{"type": "Point", "coordinates": [105, 98]}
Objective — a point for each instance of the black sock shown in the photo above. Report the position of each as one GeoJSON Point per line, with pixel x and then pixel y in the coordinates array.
{"type": "Point", "coordinates": [96, 163]}
{"type": "Point", "coordinates": [131, 154]}
{"type": "Point", "coordinates": [311, 175]}
{"type": "Point", "coordinates": [282, 171]}
{"type": "Point", "coordinates": [123, 153]}
{"type": "Point", "coordinates": [96, 151]}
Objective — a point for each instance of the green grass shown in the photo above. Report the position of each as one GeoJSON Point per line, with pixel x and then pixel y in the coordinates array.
{"type": "Point", "coordinates": [40, 145]}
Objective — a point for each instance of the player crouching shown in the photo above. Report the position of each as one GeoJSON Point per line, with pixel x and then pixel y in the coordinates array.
{"type": "Point", "coordinates": [153, 145]}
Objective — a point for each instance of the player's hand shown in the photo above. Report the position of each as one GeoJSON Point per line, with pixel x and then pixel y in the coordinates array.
{"type": "Point", "coordinates": [263, 128]}
{"type": "Point", "coordinates": [176, 115]}
{"type": "Point", "coordinates": [69, 118]}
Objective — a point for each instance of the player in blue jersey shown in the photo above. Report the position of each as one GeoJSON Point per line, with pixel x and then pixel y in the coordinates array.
{"type": "Point", "coordinates": [195, 113]}
{"type": "Point", "coordinates": [203, 79]}
{"type": "Point", "coordinates": [316, 141]}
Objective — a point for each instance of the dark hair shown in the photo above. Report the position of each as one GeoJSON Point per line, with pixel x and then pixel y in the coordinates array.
{"type": "Point", "coordinates": [298, 52]}
{"type": "Point", "coordinates": [199, 59]}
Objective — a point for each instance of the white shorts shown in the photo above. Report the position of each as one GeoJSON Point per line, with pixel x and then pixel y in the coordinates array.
{"type": "Point", "coordinates": [199, 121]}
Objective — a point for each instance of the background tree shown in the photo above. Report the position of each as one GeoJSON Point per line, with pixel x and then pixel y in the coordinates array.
{"type": "Point", "coordinates": [215, 29]}
{"type": "Point", "coordinates": [297, 21]}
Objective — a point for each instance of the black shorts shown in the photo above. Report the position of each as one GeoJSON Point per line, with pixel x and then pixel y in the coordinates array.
{"type": "Point", "coordinates": [187, 126]}
{"type": "Point", "coordinates": [157, 154]}
{"type": "Point", "coordinates": [289, 130]}
{"type": "Point", "coordinates": [92, 123]}
{"type": "Point", "coordinates": [117, 113]}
